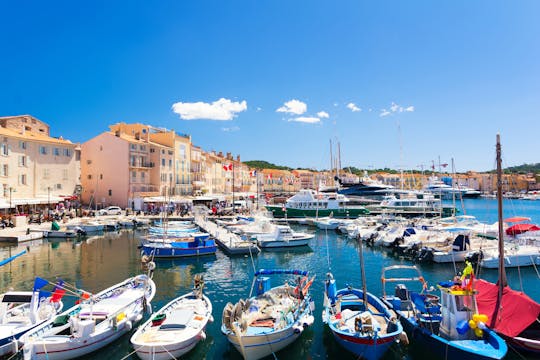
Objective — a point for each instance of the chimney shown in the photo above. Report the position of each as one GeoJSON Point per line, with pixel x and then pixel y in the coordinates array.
{"type": "Point", "coordinates": [229, 157]}
{"type": "Point", "coordinates": [238, 158]}
{"type": "Point", "coordinates": [117, 133]}
{"type": "Point", "coordinates": [138, 135]}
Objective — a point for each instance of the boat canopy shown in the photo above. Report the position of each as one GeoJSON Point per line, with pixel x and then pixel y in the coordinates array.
{"type": "Point", "coordinates": [521, 228]}
{"type": "Point", "coordinates": [518, 311]}
{"type": "Point", "coordinates": [517, 219]}
{"type": "Point", "coordinates": [281, 271]}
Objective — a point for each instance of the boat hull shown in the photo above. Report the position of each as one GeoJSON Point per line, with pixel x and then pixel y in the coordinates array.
{"type": "Point", "coordinates": [151, 343]}
{"type": "Point", "coordinates": [347, 213]}
{"type": "Point", "coordinates": [282, 244]}
{"type": "Point", "coordinates": [260, 346]}
{"type": "Point", "coordinates": [163, 252]}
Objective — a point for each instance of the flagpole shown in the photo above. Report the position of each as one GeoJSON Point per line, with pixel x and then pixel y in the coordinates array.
{"type": "Point", "coordinates": [257, 180]}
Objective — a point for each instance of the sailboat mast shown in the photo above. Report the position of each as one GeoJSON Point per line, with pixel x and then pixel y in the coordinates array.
{"type": "Point", "coordinates": [363, 272]}
{"type": "Point", "coordinates": [502, 273]}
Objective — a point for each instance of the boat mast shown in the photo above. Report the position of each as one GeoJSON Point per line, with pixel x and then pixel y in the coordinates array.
{"type": "Point", "coordinates": [363, 272]}
{"type": "Point", "coordinates": [502, 282]}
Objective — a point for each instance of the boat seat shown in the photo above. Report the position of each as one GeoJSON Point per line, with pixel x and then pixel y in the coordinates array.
{"type": "Point", "coordinates": [424, 306]}
{"type": "Point", "coordinates": [177, 319]}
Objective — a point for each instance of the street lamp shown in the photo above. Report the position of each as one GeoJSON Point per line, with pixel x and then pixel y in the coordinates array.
{"type": "Point", "coordinates": [10, 203]}
{"type": "Point", "coordinates": [48, 200]}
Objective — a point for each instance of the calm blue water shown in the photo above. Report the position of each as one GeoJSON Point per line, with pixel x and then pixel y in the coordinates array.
{"type": "Point", "coordinates": [98, 262]}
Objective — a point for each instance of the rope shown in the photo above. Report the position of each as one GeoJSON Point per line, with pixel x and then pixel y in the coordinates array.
{"type": "Point", "coordinates": [535, 269]}
{"type": "Point", "coordinates": [327, 250]}
{"type": "Point", "coordinates": [131, 353]}
{"type": "Point", "coordinates": [171, 355]}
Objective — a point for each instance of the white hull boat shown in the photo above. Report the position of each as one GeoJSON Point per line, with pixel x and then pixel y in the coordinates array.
{"type": "Point", "coordinates": [271, 320]}
{"type": "Point", "coordinates": [283, 236]}
{"type": "Point", "coordinates": [22, 311]}
{"type": "Point", "coordinates": [94, 323]}
{"type": "Point", "coordinates": [176, 328]}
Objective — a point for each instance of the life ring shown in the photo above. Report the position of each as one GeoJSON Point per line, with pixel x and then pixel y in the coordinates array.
{"type": "Point", "coordinates": [151, 266]}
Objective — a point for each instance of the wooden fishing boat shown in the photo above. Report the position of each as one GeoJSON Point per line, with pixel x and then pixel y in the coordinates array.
{"type": "Point", "coordinates": [512, 314]}
{"type": "Point", "coordinates": [272, 319]}
{"type": "Point", "coordinates": [22, 311]}
{"type": "Point", "coordinates": [176, 328]}
{"type": "Point", "coordinates": [92, 324]}
{"type": "Point", "coordinates": [447, 329]}
{"type": "Point", "coordinates": [359, 321]}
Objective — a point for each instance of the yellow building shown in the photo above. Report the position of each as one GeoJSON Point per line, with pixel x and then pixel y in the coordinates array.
{"type": "Point", "coordinates": [35, 168]}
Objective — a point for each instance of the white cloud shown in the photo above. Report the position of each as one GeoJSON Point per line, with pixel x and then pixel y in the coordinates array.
{"type": "Point", "coordinates": [306, 119]}
{"type": "Point", "coordinates": [353, 107]}
{"type": "Point", "coordinates": [293, 107]}
{"type": "Point", "coordinates": [395, 108]}
{"type": "Point", "coordinates": [230, 129]}
{"type": "Point", "coordinates": [323, 115]}
{"type": "Point", "coordinates": [222, 109]}
{"type": "Point", "coordinates": [384, 113]}
{"type": "Point", "coordinates": [259, 108]}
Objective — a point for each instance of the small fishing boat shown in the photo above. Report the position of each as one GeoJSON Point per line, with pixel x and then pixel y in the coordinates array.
{"type": "Point", "coordinates": [448, 329]}
{"type": "Point", "coordinates": [92, 324]}
{"type": "Point", "coordinates": [359, 321]}
{"type": "Point", "coordinates": [24, 310]}
{"type": "Point", "coordinates": [512, 314]}
{"type": "Point", "coordinates": [272, 319]}
{"type": "Point", "coordinates": [176, 328]}
{"type": "Point", "coordinates": [173, 247]}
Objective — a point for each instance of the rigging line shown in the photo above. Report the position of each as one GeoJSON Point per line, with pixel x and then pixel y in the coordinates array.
{"type": "Point", "coordinates": [327, 250]}
{"type": "Point", "coordinates": [520, 279]}
{"type": "Point", "coordinates": [536, 269]}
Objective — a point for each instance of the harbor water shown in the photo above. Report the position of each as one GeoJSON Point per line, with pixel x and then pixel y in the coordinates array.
{"type": "Point", "coordinates": [96, 262]}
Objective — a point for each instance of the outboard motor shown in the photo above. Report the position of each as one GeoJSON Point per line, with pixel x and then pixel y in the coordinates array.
{"type": "Point", "coordinates": [401, 292]}
{"type": "Point", "coordinates": [425, 255]}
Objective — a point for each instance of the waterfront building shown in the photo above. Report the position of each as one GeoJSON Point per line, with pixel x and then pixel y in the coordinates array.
{"type": "Point", "coordinates": [35, 168]}
{"type": "Point", "coordinates": [123, 179]}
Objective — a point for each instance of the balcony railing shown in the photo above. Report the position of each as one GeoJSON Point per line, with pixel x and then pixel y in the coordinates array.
{"type": "Point", "coordinates": [142, 164]}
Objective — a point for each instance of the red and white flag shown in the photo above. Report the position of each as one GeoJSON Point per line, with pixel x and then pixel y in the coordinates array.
{"type": "Point", "coordinates": [228, 167]}
{"type": "Point", "coordinates": [253, 173]}
{"type": "Point", "coordinates": [269, 176]}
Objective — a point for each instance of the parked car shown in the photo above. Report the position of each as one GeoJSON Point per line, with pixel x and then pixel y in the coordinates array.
{"type": "Point", "coordinates": [111, 210]}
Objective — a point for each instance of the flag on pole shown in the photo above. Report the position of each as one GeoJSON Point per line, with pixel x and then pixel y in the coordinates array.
{"type": "Point", "coordinates": [269, 176]}
{"type": "Point", "coordinates": [228, 167]}
{"type": "Point", "coordinates": [39, 283]}
{"type": "Point", "coordinates": [253, 173]}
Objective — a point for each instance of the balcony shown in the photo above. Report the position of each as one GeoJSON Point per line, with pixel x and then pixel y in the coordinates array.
{"type": "Point", "coordinates": [143, 165]}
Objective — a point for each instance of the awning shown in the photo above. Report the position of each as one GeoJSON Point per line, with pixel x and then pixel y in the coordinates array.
{"type": "Point", "coordinates": [32, 201]}
{"type": "Point", "coordinates": [167, 199]}
{"type": "Point", "coordinates": [516, 219]}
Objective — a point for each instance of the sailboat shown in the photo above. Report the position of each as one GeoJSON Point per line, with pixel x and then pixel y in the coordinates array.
{"type": "Point", "coordinates": [359, 321]}
{"type": "Point", "coordinates": [512, 314]}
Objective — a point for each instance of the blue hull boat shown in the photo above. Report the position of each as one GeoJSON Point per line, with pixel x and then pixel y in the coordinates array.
{"type": "Point", "coordinates": [446, 329]}
{"type": "Point", "coordinates": [179, 247]}
{"type": "Point", "coordinates": [365, 329]}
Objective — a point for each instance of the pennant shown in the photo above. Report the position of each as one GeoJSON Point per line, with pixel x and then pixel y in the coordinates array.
{"type": "Point", "coordinates": [39, 283]}
{"type": "Point", "coordinates": [57, 295]}
{"type": "Point", "coordinates": [43, 294]}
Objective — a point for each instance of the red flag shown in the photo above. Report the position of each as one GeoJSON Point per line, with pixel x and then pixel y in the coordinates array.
{"type": "Point", "coordinates": [269, 176]}
{"type": "Point", "coordinates": [227, 167]}
{"type": "Point", "coordinates": [57, 295]}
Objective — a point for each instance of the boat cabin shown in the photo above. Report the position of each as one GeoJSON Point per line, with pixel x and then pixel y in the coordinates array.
{"type": "Point", "coordinates": [458, 306]}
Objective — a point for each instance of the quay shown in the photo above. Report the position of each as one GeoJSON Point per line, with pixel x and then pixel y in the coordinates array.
{"type": "Point", "coordinates": [229, 242]}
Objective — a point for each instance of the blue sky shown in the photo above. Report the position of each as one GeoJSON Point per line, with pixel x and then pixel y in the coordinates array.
{"type": "Point", "coordinates": [397, 83]}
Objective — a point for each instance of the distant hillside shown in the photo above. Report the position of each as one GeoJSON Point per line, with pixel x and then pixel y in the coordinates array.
{"type": "Point", "coordinates": [261, 164]}
{"type": "Point", "coordinates": [525, 168]}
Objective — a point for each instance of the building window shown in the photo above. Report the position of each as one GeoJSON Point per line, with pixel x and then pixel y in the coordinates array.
{"type": "Point", "coordinates": [56, 151]}
{"type": "Point", "coordinates": [133, 174]}
{"type": "Point", "coordinates": [110, 192]}
{"type": "Point", "coordinates": [22, 179]}
{"type": "Point", "coordinates": [182, 151]}
{"type": "Point", "coordinates": [4, 170]}
{"type": "Point", "coordinates": [133, 147]}
{"type": "Point", "coordinates": [6, 190]}
{"type": "Point", "coordinates": [152, 150]}
{"type": "Point", "coordinates": [89, 177]}
{"type": "Point", "coordinates": [162, 162]}
{"type": "Point", "coordinates": [162, 151]}
{"type": "Point", "coordinates": [43, 150]}
{"type": "Point", "coordinates": [100, 176]}
{"type": "Point", "coordinates": [88, 162]}
{"type": "Point", "coordinates": [67, 152]}
{"type": "Point", "coordinates": [142, 148]}
{"type": "Point", "coordinates": [58, 186]}
{"type": "Point", "coordinates": [170, 163]}
{"type": "Point", "coordinates": [22, 145]}
{"type": "Point", "coordinates": [4, 149]}
{"type": "Point", "coordinates": [142, 175]}
{"type": "Point", "coordinates": [45, 173]}
{"type": "Point", "coordinates": [22, 160]}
